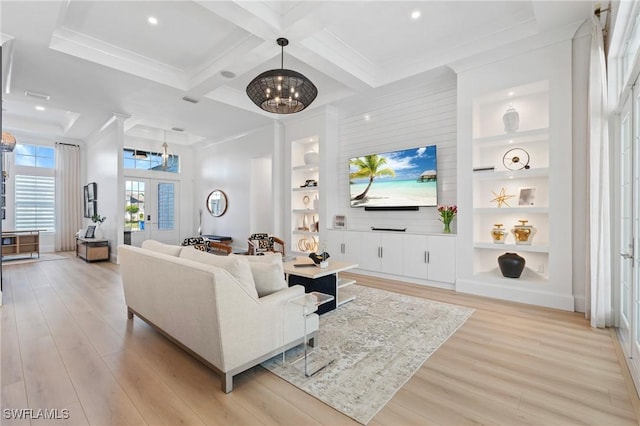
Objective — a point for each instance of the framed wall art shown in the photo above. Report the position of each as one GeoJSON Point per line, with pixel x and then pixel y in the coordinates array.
{"type": "Point", "coordinates": [92, 190]}
{"type": "Point", "coordinates": [340, 221]}
{"type": "Point", "coordinates": [91, 232]}
{"type": "Point", "coordinates": [527, 197]}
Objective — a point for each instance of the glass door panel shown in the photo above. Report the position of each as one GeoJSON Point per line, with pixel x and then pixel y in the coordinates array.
{"type": "Point", "coordinates": [151, 210]}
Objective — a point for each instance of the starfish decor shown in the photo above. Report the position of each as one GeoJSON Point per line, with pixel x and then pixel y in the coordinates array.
{"type": "Point", "coordinates": [502, 198]}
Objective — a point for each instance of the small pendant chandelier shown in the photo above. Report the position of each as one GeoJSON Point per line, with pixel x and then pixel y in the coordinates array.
{"type": "Point", "coordinates": [282, 91]}
{"type": "Point", "coordinates": [8, 142]}
{"type": "Point", "coordinates": [168, 159]}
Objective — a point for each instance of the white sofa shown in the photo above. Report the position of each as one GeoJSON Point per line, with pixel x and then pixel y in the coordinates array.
{"type": "Point", "coordinates": [207, 310]}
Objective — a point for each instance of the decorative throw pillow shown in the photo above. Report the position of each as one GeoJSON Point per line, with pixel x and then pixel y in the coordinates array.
{"type": "Point", "coordinates": [159, 247]}
{"type": "Point", "coordinates": [236, 266]}
{"type": "Point", "coordinates": [269, 277]}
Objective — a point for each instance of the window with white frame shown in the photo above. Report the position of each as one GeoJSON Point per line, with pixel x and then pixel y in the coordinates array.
{"type": "Point", "coordinates": [34, 187]}
{"type": "Point", "coordinates": [155, 161]}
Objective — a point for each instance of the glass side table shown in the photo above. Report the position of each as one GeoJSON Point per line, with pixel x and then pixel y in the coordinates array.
{"type": "Point", "coordinates": [309, 303]}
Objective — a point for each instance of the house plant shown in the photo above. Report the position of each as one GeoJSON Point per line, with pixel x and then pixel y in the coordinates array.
{"type": "Point", "coordinates": [97, 219]}
{"type": "Point", "coordinates": [447, 213]}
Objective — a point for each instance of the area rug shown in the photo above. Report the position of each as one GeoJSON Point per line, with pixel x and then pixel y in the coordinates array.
{"type": "Point", "coordinates": [377, 342]}
{"type": "Point", "coordinates": [44, 257]}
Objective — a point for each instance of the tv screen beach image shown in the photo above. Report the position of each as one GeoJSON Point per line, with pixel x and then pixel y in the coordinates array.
{"type": "Point", "coordinates": [404, 178]}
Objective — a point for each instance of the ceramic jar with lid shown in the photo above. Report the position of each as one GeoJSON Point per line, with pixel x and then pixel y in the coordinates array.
{"type": "Point", "coordinates": [499, 234]}
{"type": "Point", "coordinates": [511, 120]}
{"type": "Point", "coordinates": [311, 157]}
{"type": "Point", "coordinates": [523, 233]}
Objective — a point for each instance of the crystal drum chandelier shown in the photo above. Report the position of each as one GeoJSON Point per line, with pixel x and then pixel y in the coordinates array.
{"type": "Point", "coordinates": [282, 91]}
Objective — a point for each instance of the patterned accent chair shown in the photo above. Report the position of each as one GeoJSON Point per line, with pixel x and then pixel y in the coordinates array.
{"type": "Point", "coordinates": [198, 243]}
{"type": "Point", "coordinates": [206, 245]}
{"type": "Point", "coordinates": [262, 243]}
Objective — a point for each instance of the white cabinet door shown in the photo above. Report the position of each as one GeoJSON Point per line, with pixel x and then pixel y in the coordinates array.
{"type": "Point", "coordinates": [442, 259]}
{"type": "Point", "coordinates": [382, 252]}
{"type": "Point", "coordinates": [345, 245]}
{"type": "Point", "coordinates": [352, 247]}
{"type": "Point", "coordinates": [391, 253]}
{"type": "Point", "coordinates": [334, 244]}
{"type": "Point", "coordinates": [370, 251]}
{"type": "Point", "coordinates": [415, 261]}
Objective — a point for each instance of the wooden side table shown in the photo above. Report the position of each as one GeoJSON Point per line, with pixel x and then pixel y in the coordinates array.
{"type": "Point", "coordinates": [92, 249]}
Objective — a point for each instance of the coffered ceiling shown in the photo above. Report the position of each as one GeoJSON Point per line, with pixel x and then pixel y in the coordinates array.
{"type": "Point", "coordinates": [94, 58]}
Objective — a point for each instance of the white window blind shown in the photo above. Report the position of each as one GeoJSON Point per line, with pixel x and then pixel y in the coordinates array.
{"type": "Point", "coordinates": [35, 202]}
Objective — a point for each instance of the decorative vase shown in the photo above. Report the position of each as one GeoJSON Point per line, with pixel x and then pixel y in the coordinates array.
{"type": "Point", "coordinates": [447, 228]}
{"type": "Point", "coordinates": [524, 233]}
{"type": "Point", "coordinates": [511, 120]}
{"type": "Point", "coordinates": [305, 223]}
{"type": "Point", "coordinates": [99, 234]}
{"type": "Point", "coordinates": [311, 157]}
{"type": "Point", "coordinates": [511, 265]}
{"type": "Point", "coordinates": [499, 234]}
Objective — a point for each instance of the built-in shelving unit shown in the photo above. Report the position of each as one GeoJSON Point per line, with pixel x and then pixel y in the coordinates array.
{"type": "Point", "coordinates": [492, 148]}
{"type": "Point", "coordinates": [305, 213]}
{"type": "Point", "coordinates": [20, 244]}
{"type": "Point", "coordinates": [492, 159]}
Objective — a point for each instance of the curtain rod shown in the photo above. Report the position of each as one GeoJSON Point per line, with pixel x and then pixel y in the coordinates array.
{"type": "Point", "coordinates": [68, 144]}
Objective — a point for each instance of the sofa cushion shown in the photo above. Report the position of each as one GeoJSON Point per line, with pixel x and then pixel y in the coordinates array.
{"type": "Point", "coordinates": [159, 247]}
{"type": "Point", "coordinates": [236, 266]}
{"type": "Point", "coordinates": [268, 257]}
{"type": "Point", "coordinates": [269, 277]}
{"type": "Point", "coordinates": [268, 272]}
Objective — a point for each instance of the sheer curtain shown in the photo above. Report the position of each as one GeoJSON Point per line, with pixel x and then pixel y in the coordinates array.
{"type": "Point", "coordinates": [68, 196]}
{"type": "Point", "coordinates": [601, 309]}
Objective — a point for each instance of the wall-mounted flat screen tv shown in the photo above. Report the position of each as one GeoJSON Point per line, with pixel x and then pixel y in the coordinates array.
{"type": "Point", "coordinates": [404, 178]}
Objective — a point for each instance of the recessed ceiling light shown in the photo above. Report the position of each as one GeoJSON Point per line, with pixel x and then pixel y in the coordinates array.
{"type": "Point", "coordinates": [40, 108]}
{"type": "Point", "coordinates": [511, 93]}
{"type": "Point", "coordinates": [415, 14]}
{"type": "Point", "coordinates": [227, 74]}
{"type": "Point", "coordinates": [366, 117]}
{"type": "Point", "coordinates": [152, 20]}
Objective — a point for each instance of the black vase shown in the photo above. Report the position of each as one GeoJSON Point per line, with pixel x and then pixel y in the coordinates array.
{"type": "Point", "coordinates": [511, 265]}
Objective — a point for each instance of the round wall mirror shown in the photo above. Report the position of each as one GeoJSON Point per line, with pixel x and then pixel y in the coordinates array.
{"type": "Point", "coordinates": [217, 203]}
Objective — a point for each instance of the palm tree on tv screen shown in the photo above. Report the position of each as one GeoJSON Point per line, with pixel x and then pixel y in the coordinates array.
{"type": "Point", "coordinates": [369, 166]}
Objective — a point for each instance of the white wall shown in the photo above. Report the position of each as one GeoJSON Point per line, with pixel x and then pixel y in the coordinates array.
{"type": "Point", "coordinates": [104, 160]}
{"type": "Point", "coordinates": [227, 166]}
{"type": "Point", "coordinates": [417, 112]}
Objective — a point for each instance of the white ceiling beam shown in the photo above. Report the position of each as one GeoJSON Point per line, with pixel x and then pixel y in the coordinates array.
{"type": "Point", "coordinates": [244, 16]}
{"type": "Point", "coordinates": [243, 57]}
{"type": "Point", "coordinates": [335, 58]}
{"type": "Point", "coordinates": [79, 45]}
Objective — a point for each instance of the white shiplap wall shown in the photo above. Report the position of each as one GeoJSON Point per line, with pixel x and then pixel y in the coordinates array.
{"type": "Point", "coordinates": [422, 113]}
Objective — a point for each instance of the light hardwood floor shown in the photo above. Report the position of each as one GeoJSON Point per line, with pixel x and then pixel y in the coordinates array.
{"type": "Point", "coordinates": [67, 344]}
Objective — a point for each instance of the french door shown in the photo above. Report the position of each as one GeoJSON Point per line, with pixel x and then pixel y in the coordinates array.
{"type": "Point", "coordinates": [629, 237]}
{"type": "Point", "coordinates": [152, 210]}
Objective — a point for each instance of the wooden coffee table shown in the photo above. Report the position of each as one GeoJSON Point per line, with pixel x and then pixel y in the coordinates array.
{"type": "Point", "coordinates": [323, 280]}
